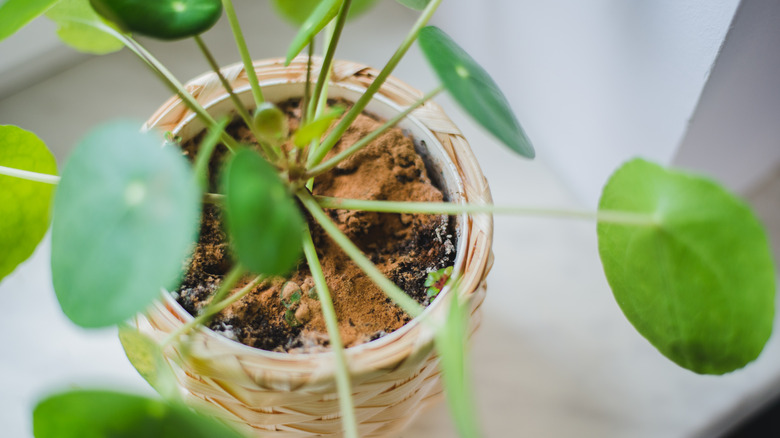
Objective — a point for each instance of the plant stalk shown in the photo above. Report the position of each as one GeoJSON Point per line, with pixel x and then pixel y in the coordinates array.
{"type": "Point", "coordinates": [246, 58]}
{"type": "Point", "coordinates": [398, 296]}
{"type": "Point", "coordinates": [343, 383]}
{"type": "Point", "coordinates": [305, 107]}
{"type": "Point", "coordinates": [240, 107]}
{"type": "Point", "coordinates": [30, 176]}
{"type": "Point", "coordinates": [205, 151]}
{"type": "Point", "coordinates": [323, 98]}
{"type": "Point", "coordinates": [214, 306]}
{"type": "Point", "coordinates": [609, 216]}
{"type": "Point", "coordinates": [174, 85]}
{"type": "Point", "coordinates": [327, 61]}
{"type": "Point", "coordinates": [334, 136]}
{"type": "Point", "coordinates": [165, 76]}
{"type": "Point", "coordinates": [363, 142]}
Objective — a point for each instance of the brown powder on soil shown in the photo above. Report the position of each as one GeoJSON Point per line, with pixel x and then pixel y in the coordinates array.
{"type": "Point", "coordinates": [405, 247]}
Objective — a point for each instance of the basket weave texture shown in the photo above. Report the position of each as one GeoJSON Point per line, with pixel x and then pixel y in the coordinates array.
{"type": "Point", "coordinates": [272, 394]}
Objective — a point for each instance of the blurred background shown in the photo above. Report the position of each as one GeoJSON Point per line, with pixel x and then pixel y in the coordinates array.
{"type": "Point", "coordinates": [695, 83]}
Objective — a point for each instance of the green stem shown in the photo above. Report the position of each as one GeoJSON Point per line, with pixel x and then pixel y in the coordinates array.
{"type": "Point", "coordinates": [343, 383]}
{"type": "Point", "coordinates": [610, 216]}
{"type": "Point", "coordinates": [164, 75]}
{"type": "Point", "coordinates": [30, 176]}
{"type": "Point", "coordinates": [205, 150]}
{"type": "Point", "coordinates": [216, 304]}
{"type": "Point", "coordinates": [213, 198]}
{"type": "Point", "coordinates": [327, 61]}
{"type": "Point", "coordinates": [325, 81]}
{"type": "Point", "coordinates": [246, 58]}
{"type": "Point", "coordinates": [360, 105]}
{"type": "Point", "coordinates": [242, 111]}
{"type": "Point", "coordinates": [398, 296]}
{"type": "Point", "coordinates": [363, 142]}
{"type": "Point", "coordinates": [305, 116]}
{"type": "Point", "coordinates": [174, 85]}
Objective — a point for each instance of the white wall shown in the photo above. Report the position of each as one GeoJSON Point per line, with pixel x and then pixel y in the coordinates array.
{"type": "Point", "coordinates": [735, 131]}
{"type": "Point", "coordinates": [596, 82]}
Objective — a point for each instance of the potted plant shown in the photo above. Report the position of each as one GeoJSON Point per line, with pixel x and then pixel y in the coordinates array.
{"type": "Point", "coordinates": [688, 262]}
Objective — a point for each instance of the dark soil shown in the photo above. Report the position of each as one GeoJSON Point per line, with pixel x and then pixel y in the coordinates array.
{"type": "Point", "coordinates": [405, 247]}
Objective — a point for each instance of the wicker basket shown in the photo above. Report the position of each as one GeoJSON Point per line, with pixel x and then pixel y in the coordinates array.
{"type": "Point", "coordinates": [294, 395]}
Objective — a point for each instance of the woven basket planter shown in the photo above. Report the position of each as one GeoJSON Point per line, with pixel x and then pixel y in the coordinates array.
{"type": "Point", "coordinates": [271, 394]}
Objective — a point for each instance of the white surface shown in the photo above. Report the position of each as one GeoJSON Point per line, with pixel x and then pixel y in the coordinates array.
{"type": "Point", "coordinates": [556, 358]}
{"type": "Point", "coordinates": [596, 82]}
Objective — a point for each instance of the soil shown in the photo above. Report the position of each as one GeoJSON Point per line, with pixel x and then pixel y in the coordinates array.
{"type": "Point", "coordinates": [405, 247]}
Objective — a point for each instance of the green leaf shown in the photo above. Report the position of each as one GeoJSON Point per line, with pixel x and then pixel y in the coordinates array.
{"type": "Point", "coordinates": [15, 14]}
{"type": "Point", "coordinates": [473, 89]}
{"type": "Point", "coordinates": [317, 127]}
{"type": "Point", "coordinates": [125, 215]}
{"type": "Point", "coordinates": [24, 205]}
{"type": "Point", "coordinates": [270, 123]}
{"type": "Point", "coordinates": [698, 280]}
{"type": "Point", "coordinates": [451, 339]}
{"type": "Point", "coordinates": [325, 11]}
{"type": "Point", "coordinates": [161, 19]}
{"type": "Point", "coordinates": [263, 220]}
{"type": "Point", "coordinates": [297, 11]}
{"type": "Point", "coordinates": [98, 413]}
{"type": "Point", "coordinates": [146, 356]}
{"type": "Point", "coordinates": [81, 28]}
{"type": "Point", "coordinates": [415, 4]}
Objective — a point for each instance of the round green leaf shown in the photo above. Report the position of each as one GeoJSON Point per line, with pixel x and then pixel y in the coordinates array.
{"type": "Point", "coordinates": [415, 4]}
{"type": "Point", "coordinates": [325, 11]}
{"type": "Point", "coordinates": [162, 19]}
{"type": "Point", "coordinates": [297, 11]}
{"type": "Point", "coordinates": [81, 28]}
{"type": "Point", "coordinates": [146, 356]}
{"type": "Point", "coordinates": [125, 215]}
{"type": "Point", "coordinates": [271, 123]}
{"type": "Point", "coordinates": [262, 219]}
{"type": "Point", "coordinates": [24, 205]}
{"type": "Point", "coordinates": [473, 89]}
{"type": "Point", "coordinates": [15, 14]}
{"type": "Point", "coordinates": [697, 280]}
{"type": "Point", "coordinates": [96, 413]}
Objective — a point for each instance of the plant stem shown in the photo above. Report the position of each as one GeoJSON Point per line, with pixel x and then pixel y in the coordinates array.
{"type": "Point", "coordinates": [228, 282]}
{"type": "Point", "coordinates": [213, 198]}
{"type": "Point", "coordinates": [305, 116]}
{"type": "Point", "coordinates": [174, 85]}
{"type": "Point", "coordinates": [610, 216]}
{"type": "Point", "coordinates": [363, 142]}
{"type": "Point", "coordinates": [398, 296]}
{"type": "Point", "coordinates": [325, 81]}
{"type": "Point", "coordinates": [360, 105]}
{"type": "Point", "coordinates": [164, 75]}
{"type": "Point", "coordinates": [240, 107]}
{"type": "Point", "coordinates": [30, 176]}
{"type": "Point", "coordinates": [327, 61]}
{"type": "Point", "coordinates": [343, 384]}
{"type": "Point", "coordinates": [205, 151]}
{"type": "Point", "coordinates": [246, 58]}
{"type": "Point", "coordinates": [242, 111]}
